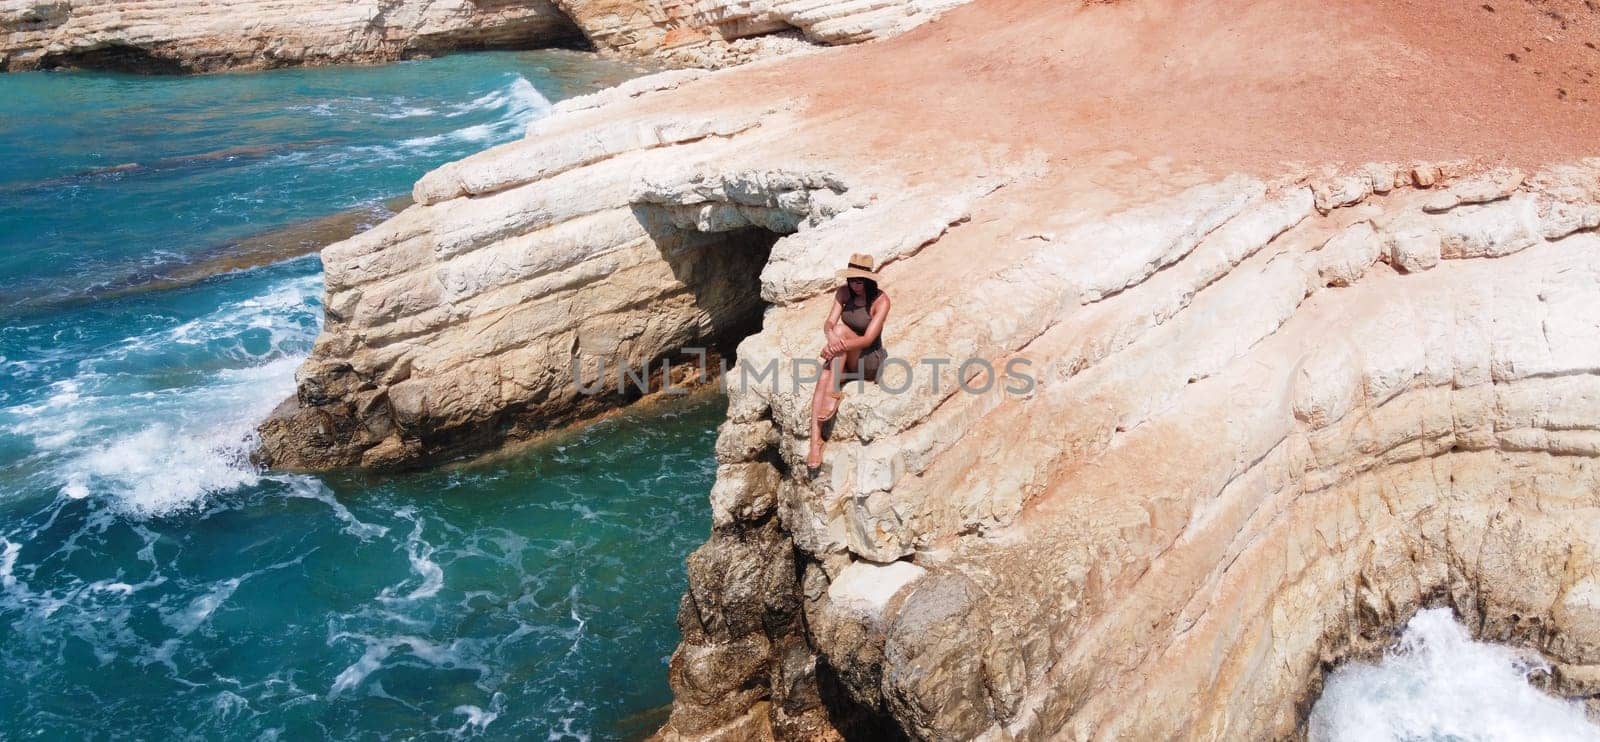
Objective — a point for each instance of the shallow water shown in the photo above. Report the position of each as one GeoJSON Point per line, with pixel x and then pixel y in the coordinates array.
{"type": "Point", "coordinates": [155, 585]}
{"type": "Point", "coordinates": [1439, 685]}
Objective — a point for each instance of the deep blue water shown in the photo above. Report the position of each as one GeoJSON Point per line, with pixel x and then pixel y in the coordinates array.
{"type": "Point", "coordinates": [152, 583]}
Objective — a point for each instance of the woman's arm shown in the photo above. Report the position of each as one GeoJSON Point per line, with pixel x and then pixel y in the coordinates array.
{"type": "Point", "coordinates": [880, 312]}
{"type": "Point", "coordinates": [834, 313]}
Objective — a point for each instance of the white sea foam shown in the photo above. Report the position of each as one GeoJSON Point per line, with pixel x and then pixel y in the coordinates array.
{"type": "Point", "coordinates": [154, 452]}
{"type": "Point", "coordinates": [280, 311]}
{"type": "Point", "coordinates": [228, 706]}
{"type": "Point", "coordinates": [420, 554]}
{"type": "Point", "coordinates": [407, 111]}
{"type": "Point", "coordinates": [511, 108]}
{"type": "Point", "coordinates": [358, 671]}
{"type": "Point", "coordinates": [567, 731]}
{"type": "Point", "coordinates": [479, 719]}
{"type": "Point", "coordinates": [201, 608]}
{"type": "Point", "coordinates": [519, 103]}
{"type": "Point", "coordinates": [340, 108]}
{"type": "Point", "coordinates": [1440, 685]}
{"type": "Point", "coordinates": [430, 571]}
{"type": "Point", "coordinates": [519, 97]}
{"type": "Point", "coordinates": [162, 469]}
{"type": "Point", "coordinates": [116, 588]}
{"type": "Point", "coordinates": [8, 562]}
{"type": "Point", "coordinates": [380, 649]}
{"type": "Point", "coordinates": [313, 489]}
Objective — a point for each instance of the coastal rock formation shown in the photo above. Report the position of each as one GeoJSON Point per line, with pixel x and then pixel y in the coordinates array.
{"type": "Point", "coordinates": [1198, 399]}
{"type": "Point", "coordinates": [703, 32]}
{"type": "Point", "coordinates": [188, 36]}
{"type": "Point", "coordinates": [184, 36]}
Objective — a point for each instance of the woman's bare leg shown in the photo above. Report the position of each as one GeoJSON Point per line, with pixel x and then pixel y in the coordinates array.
{"type": "Point", "coordinates": [819, 406]}
{"type": "Point", "coordinates": [824, 399]}
{"type": "Point", "coordinates": [821, 396]}
{"type": "Point", "coordinates": [814, 456]}
{"type": "Point", "coordinates": [842, 364]}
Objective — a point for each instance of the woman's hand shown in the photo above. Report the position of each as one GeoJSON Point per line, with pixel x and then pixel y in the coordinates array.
{"type": "Point", "coordinates": [831, 349]}
{"type": "Point", "coordinates": [835, 347]}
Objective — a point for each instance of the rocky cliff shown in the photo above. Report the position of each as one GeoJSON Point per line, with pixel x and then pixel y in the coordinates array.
{"type": "Point", "coordinates": [705, 33]}
{"type": "Point", "coordinates": [1309, 334]}
{"type": "Point", "coordinates": [190, 36]}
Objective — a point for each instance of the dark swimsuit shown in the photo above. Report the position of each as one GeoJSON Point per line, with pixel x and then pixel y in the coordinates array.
{"type": "Point", "coordinates": [871, 358]}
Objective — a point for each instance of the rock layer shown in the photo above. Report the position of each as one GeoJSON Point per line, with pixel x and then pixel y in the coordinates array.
{"type": "Point", "coordinates": [702, 32]}
{"type": "Point", "coordinates": [189, 36]}
{"type": "Point", "coordinates": [1273, 388]}
{"type": "Point", "coordinates": [186, 36]}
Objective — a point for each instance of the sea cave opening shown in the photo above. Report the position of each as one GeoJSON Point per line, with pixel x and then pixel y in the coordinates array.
{"type": "Point", "coordinates": [721, 273]}
{"type": "Point", "coordinates": [114, 57]}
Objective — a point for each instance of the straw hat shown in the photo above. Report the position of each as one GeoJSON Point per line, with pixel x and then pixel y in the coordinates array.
{"type": "Point", "coordinates": [861, 266]}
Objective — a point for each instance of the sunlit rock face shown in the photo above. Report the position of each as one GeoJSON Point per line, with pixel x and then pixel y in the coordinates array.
{"type": "Point", "coordinates": [1276, 390]}
{"type": "Point", "coordinates": [715, 33]}
{"type": "Point", "coordinates": [189, 36]}
{"type": "Point", "coordinates": [1253, 449]}
{"type": "Point", "coordinates": [192, 36]}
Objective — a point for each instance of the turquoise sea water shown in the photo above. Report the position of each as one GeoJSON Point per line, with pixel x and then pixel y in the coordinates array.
{"type": "Point", "coordinates": [152, 584]}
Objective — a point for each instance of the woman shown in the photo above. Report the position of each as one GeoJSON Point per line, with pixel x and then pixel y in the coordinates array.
{"type": "Point", "coordinates": [854, 348]}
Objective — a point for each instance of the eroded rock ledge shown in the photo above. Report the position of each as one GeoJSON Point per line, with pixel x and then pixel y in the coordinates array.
{"type": "Point", "coordinates": [168, 36]}
{"type": "Point", "coordinates": [189, 36]}
{"type": "Point", "coordinates": [595, 241]}
{"type": "Point", "coordinates": [1277, 405]}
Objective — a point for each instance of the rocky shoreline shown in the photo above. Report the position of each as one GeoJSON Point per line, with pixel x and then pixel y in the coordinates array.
{"type": "Point", "coordinates": [175, 36]}
{"type": "Point", "coordinates": [181, 36]}
{"type": "Point", "coordinates": [1293, 382]}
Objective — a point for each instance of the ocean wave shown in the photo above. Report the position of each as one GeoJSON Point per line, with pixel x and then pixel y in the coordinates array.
{"type": "Point", "coordinates": [519, 98]}
{"type": "Point", "coordinates": [137, 426]}
{"type": "Point", "coordinates": [1439, 684]}
{"type": "Point", "coordinates": [161, 469]}
{"type": "Point", "coordinates": [402, 108]}
{"type": "Point", "coordinates": [519, 103]}
{"type": "Point", "coordinates": [340, 108]}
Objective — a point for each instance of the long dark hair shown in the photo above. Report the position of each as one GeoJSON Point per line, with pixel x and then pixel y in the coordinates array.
{"type": "Point", "coordinates": [871, 292]}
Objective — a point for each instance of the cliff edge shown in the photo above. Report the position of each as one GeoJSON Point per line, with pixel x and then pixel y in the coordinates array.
{"type": "Point", "coordinates": [1308, 297]}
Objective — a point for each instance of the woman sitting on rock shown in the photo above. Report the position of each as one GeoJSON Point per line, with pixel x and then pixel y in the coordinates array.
{"type": "Point", "coordinates": [854, 347]}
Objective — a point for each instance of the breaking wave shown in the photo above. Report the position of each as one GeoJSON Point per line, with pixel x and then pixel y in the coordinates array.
{"type": "Point", "coordinates": [160, 419]}
{"type": "Point", "coordinates": [1439, 684]}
